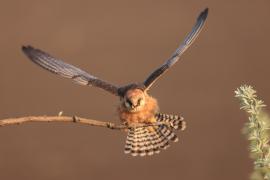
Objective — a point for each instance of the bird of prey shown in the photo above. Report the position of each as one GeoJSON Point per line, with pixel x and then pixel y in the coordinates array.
{"type": "Point", "coordinates": [136, 105]}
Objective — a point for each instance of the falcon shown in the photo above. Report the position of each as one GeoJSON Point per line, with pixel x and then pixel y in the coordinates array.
{"type": "Point", "coordinates": [136, 105]}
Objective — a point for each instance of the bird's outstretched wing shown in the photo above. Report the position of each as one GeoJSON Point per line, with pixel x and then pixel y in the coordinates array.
{"type": "Point", "coordinates": [61, 68]}
{"type": "Point", "coordinates": [181, 49]}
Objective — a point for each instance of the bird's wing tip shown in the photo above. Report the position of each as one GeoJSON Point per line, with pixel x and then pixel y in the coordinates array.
{"type": "Point", "coordinates": [203, 14]}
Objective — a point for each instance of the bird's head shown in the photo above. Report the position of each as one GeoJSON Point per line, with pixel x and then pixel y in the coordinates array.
{"type": "Point", "coordinates": [134, 100]}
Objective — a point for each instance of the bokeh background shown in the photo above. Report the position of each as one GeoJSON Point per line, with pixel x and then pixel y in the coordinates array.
{"type": "Point", "coordinates": [123, 41]}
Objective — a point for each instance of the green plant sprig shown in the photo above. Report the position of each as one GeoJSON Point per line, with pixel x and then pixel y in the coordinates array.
{"type": "Point", "coordinates": [256, 130]}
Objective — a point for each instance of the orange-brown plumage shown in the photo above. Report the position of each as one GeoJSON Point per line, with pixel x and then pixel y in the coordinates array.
{"type": "Point", "coordinates": [144, 109]}
{"type": "Point", "coordinates": [136, 106]}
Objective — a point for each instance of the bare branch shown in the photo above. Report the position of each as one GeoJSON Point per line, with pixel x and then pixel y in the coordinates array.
{"type": "Point", "coordinates": [68, 119]}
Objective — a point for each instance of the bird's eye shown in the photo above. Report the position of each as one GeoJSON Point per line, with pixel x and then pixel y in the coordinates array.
{"type": "Point", "coordinates": [128, 103]}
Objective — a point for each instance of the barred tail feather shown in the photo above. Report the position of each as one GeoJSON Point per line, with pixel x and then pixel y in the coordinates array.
{"type": "Point", "coordinates": [150, 140]}
{"type": "Point", "coordinates": [168, 133]}
{"type": "Point", "coordinates": [174, 121]}
{"type": "Point", "coordinates": [141, 141]}
{"type": "Point", "coordinates": [145, 141]}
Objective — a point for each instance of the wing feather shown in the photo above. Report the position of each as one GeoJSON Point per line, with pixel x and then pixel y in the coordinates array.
{"type": "Point", "coordinates": [63, 69]}
{"type": "Point", "coordinates": [179, 51]}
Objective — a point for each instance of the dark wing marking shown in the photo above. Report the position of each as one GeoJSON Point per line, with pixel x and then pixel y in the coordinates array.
{"type": "Point", "coordinates": [181, 49]}
{"type": "Point", "coordinates": [61, 68]}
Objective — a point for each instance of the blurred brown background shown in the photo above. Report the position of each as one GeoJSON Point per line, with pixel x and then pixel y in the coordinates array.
{"type": "Point", "coordinates": [122, 42]}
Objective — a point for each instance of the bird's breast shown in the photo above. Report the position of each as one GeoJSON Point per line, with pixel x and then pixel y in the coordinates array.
{"type": "Point", "coordinates": [145, 115]}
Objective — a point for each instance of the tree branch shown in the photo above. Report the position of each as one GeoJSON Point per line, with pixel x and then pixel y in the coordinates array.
{"type": "Point", "coordinates": [68, 119]}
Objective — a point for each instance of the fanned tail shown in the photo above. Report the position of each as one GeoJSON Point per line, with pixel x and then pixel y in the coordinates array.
{"type": "Point", "coordinates": [174, 121]}
{"type": "Point", "coordinates": [150, 140]}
